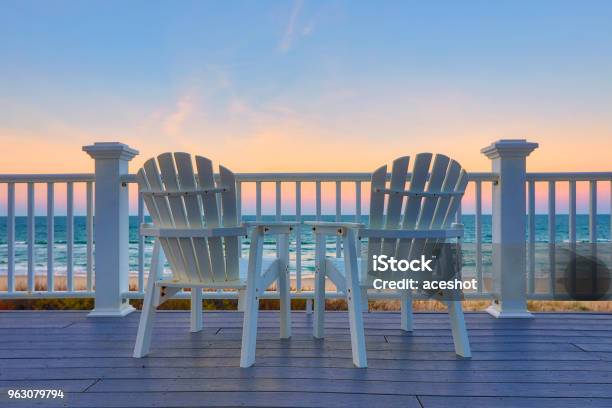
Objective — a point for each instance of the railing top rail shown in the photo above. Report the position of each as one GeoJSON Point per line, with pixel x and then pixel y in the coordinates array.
{"type": "Point", "coordinates": [306, 177]}
{"type": "Point", "coordinates": [317, 176]}
{"type": "Point", "coordinates": [570, 176]}
{"type": "Point", "coordinates": [46, 178]}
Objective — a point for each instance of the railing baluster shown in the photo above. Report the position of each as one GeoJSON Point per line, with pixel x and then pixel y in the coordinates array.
{"type": "Point", "coordinates": [278, 216]}
{"type": "Point", "coordinates": [89, 229]}
{"type": "Point", "coordinates": [298, 236]}
{"type": "Point", "coordinates": [50, 236]}
{"type": "Point", "coordinates": [258, 200]}
{"type": "Point", "coordinates": [552, 231]}
{"type": "Point", "coordinates": [11, 237]}
{"type": "Point", "coordinates": [572, 211]}
{"type": "Point", "coordinates": [532, 237]}
{"type": "Point", "coordinates": [70, 236]}
{"type": "Point", "coordinates": [338, 214]}
{"type": "Point", "coordinates": [239, 212]}
{"type": "Point", "coordinates": [478, 227]}
{"type": "Point", "coordinates": [593, 211]}
{"type": "Point", "coordinates": [318, 199]}
{"type": "Point", "coordinates": [31, 237]}
{"type": "Point", "coordinates": [358, 201]}
{"type": "Point", "coordinates": [140, 244]}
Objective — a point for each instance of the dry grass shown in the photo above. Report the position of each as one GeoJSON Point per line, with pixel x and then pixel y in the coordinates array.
{"type": "Point", "coordinates": [40, 284]}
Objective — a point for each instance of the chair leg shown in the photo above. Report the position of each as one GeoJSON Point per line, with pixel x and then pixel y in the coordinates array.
{"type": "Point", "coordinates": [251, 304]}
{"type": "Point", "coordinates": [283, 286]}
{"type": "Point", "coordinates": [365, 306]}
{"type": "Point", "coordinates": [145, 326]}
{"type": "Point", "coordinates": [406, 307]}
{"type": "Point", "coordinates": [196, 310]}
{"type": "Point", "coordinates": [241, 296]}
{"type": "Point", "coordinates": [151, 299]}
{"type": "Point", "coordinates": [460, 336]}
{"type": "Point", "coordinates": [358, 344]}
{"type": "Point", "coordinates": [318, 327]}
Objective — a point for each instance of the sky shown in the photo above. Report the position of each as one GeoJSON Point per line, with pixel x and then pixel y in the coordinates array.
{"type": "Point", "coordinates": [305, 85]}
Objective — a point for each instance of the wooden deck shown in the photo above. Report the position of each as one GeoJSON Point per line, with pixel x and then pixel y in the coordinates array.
{"type": "Point", "coordinates": [554, 360]}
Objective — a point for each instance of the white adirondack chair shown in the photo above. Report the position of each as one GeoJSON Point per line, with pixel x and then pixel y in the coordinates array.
{"type": "Point", "coordinates": [431, 204]}
{"type": "Point", "coordinates": [202, 246]}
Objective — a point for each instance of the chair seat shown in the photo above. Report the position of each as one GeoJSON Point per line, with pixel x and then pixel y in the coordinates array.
{"type": "Point", "coordinates": [233, 284]}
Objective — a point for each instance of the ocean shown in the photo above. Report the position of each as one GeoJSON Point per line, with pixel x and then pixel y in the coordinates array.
{"type": "Point", "coordinates": [80, 260]}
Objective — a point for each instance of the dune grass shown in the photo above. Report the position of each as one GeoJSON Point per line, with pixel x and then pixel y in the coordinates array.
{"type": "Point", "coordinates": [40, 284]}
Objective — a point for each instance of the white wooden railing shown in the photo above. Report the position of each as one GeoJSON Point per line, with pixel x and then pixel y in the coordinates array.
{"type": "Point", "coordinates": [112, 274]}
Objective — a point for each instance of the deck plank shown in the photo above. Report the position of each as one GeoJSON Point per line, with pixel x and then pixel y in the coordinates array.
{"type": "Point", "coordinates": [556, 359]}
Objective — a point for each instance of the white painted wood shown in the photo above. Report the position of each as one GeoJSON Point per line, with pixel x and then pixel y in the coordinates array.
{"type": "Point", "coordinates": [298, 236]}
{"type": "Point", "coordinates": [318, 326]}
{"type": "Point", "coordinates": [145, 326]}
{"type": "Point", "coordinates": [211, 215]}
{"type": "Point", "coordinates": [458, 328]}
{"type": "Point", "coordinates": [338, 214]}
{"type": "Point", "coordinates": [258, 200]}
{"type": "Point", "coordinates": [239, 213]}
{"type": "Point", "coordinates": [431, 212]}
{"type": "Point", "coordinates": [572, 211]}
{"type": "Point", "coordinates": [90, 235]}
{"type": "Point", "coordinates": [50, 237]}
{"type": "Point", "coordinates": [394, 204]}
{"type": "Point", "coordinates": [552, 220]}
{"type": "Point", "coordinates": [31, 237]}
{"type": "Point", "coordinates": [206, 255]}
{"type": "Point", "coordinates": [509, 162]}
{"type": "Point", "coordinates": [230, 220]}
{"type": "Point", "coordinates": [478, 227]}
{"type": "Point", "coordinates": [278, 197]}
{"type": "Point", "coordinates": [411, 213]}
{"type": "Point", "coordinates": [283, 287]}
{"type": "Point", "coordinates": [318, 200]}
{"type": "Point", "coordinates": [111, 228]}
{"type": "Point", "coordinates": [592, 211]}
{"type": "Point", "coordinates": [195, 319]}
{"type": "Point", "coordinates": [70, 236]}
{"type": "Point", "coordinates": [358, 345]}
{"type": "Point", "coordinates": [531, 237]}
{"type": "Point", "coordinates": [377, 205]}
{"type": "Point", "coordinates": [140, 244]}
{"type": "Point", "coordinates": [249, 327]}
{"type": "Point", "coordinates": [10, 232]}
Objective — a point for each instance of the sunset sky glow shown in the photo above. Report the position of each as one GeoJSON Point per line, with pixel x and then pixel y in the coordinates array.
{"type": "Point", "coordinates": [305, 85]}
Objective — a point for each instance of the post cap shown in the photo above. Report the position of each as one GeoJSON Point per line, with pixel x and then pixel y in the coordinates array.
{"type": "Point", "coordinates": [509, 148]}
{"type": "Point", "coordinates": [110, 150]}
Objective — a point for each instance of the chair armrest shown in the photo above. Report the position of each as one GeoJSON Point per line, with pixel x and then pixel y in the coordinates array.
{"type": "Point", "coordinates": [272, 227]}
{"type": "Point", "coordinates": [149, 230]}
{"type": "Point", "coordinates": [333, 227]}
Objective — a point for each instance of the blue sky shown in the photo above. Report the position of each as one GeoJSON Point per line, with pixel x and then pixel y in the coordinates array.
{"type": "Point", "coordinates": [229, 77]}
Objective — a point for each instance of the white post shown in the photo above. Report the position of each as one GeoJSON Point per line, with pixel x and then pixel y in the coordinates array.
{"type": "Point", "coordinates": [508, 159]}
{"type": "Point", "coordinates": [111, 228]}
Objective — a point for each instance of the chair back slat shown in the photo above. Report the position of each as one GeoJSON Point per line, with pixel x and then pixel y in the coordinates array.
{"type": "Point", "coordinates": [211, 216]}
{"type": "Point", "coordinates": [456, 200]}
{"type": "Point", "coordinates": [399, 172]}
{"type": "Point", "coordinates": [377, 209]}
{"type": "Point", "coordinates": [230, 219]}
{"type": "Point", "coordinates": [420, 171]}
{"type": "Point", "coordinates": [152, 207]}
{"type": "Point", "coordinates": [450, 182]}
{"type": "Point", "coordinates": [193, 206]}
{"type": "Point", "coordinates": [170, 245]}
